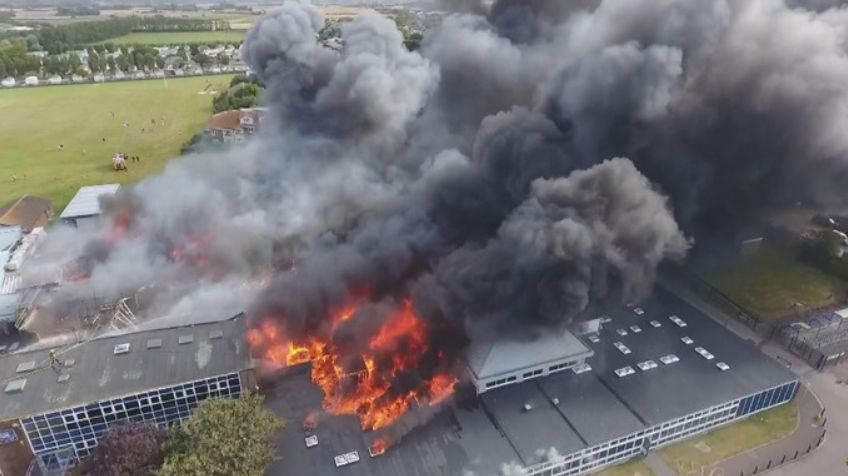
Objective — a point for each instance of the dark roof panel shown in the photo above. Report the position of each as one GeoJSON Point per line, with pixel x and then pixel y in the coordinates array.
{"type": "Point", "coordinates": [98, 374]}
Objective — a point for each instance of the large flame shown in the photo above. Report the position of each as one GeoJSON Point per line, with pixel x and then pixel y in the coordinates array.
{"type": "Point", "coordinates": [397, 346]}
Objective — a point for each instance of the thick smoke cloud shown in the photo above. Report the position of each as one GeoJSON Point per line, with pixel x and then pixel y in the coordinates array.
{"type": "Point", "coordinates": [531, 159]}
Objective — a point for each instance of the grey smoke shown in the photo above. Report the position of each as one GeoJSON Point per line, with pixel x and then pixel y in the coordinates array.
{"type": "Point", "coordinates": [532, 158]}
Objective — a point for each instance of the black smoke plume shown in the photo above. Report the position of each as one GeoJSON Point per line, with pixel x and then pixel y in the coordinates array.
{"type": "Point", "coordinates": [532, 158]}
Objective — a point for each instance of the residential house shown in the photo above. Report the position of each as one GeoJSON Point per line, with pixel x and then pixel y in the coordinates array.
{"type": "Point", "coordinates": [27, 212]}
{"type": "Point", "coordinates": [234, 126]}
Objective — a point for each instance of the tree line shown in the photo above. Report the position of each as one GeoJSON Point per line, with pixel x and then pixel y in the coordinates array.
{"type": "Point", "coordinates": [61, 38]}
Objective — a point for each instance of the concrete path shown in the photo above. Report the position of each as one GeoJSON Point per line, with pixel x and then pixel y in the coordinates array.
{"type": "Point", "coordinates": [820, 389]}
{"type": "Point", "coordinates": [658, 466]}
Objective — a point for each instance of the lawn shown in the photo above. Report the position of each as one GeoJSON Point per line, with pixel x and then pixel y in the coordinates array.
{"type": "Point", "coordinates": [774, 284]}
{"type": "Point", "coordinates": [633, 468]}
{"type": "Point", "coordinates": [732, 440]}
{"type": "Point", "coordinates": [179, 37]}
{"type": "Point", "coordinates": [36, 121]}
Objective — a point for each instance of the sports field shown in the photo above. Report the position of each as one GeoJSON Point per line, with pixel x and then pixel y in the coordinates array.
{"type": "Point", "coordinates": [52, 138]}
{"type": "Point", "coordinates": [179, 38]}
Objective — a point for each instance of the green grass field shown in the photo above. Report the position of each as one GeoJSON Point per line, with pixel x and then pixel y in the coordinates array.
{"type": "Point", "coordinates": [633, 468]}
{"type": "Point", "coordinates": [36, 121]}
{"type": "Point", "coordinates": [732, 440]}
{"type": "Point", "coordinates": [774, 284]}
{"type": "Point", "coordinates": [179, 37]}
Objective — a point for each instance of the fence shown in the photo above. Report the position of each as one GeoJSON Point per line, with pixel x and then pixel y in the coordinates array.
{"type": "Point", "coordinates": [787, 457]}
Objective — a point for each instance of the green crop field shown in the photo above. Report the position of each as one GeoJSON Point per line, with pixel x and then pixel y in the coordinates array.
{"type": "Point", "coordinates": [179, 37]}
{"type": "Point", "coordinates": [35, 122]}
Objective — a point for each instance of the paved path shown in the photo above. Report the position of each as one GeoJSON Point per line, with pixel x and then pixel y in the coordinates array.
{"type": "Point", "coordinates": [658, 465]}
{"type": "Point", "coordinates": [820, 388]}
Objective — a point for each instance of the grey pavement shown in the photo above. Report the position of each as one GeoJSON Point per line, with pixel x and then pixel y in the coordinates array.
{"type": "Point", "coordinates": [658, 465]}
{"type": "Point", "coordinates": [829, 459]}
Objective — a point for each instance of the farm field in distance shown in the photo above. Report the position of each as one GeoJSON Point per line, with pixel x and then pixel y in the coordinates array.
{"type": "Point", "coordinates": [37, 121]}
{"type": "Point", "coordinates": [179, 37]}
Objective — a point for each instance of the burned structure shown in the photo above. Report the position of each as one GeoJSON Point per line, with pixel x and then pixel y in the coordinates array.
{"type": "Point", "coordinates": [530, 161]}
{"type": "Point", "coordinates": [564, 423]}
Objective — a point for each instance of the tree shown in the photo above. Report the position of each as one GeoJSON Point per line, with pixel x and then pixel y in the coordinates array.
{"type": "Point", "coordinates": [223, 438]}
{"type": "Point", "coordinates": [128, 449]}
{"type": "Point", "coordinates": [202, 59]}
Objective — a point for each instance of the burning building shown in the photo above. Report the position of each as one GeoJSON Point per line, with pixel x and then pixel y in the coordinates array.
{"type": "Point", "coordinates": [532, 161]}
{"type": "Point", "coordinates": [571, 421]}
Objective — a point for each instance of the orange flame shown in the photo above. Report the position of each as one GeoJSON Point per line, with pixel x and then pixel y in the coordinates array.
{"type": "Point", "coordinates": [380, 446]}
{"type": "Point", "coordinates": [395, 348]}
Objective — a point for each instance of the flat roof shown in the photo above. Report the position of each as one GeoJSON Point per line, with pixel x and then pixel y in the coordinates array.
{"type": "Point", "coordinates": [696, 382]}
{"type": "Point", "coordinates": [477, 434]}
{"type": "Point", "coordinates": [508, 355]}
{"type": "Point", "coordinates": [448, 444]}
{"type": "Point", "coordinates": [540, 428]}
{"type": "Point", "coordinates": [594, 412]}
{"type": "Point", "coordinates": [100, 371]}
{"type": "Point", "coordinates": [86, 201]}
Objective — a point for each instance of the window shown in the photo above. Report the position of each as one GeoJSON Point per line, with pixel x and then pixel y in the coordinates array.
{"type": "Point", "coordinates": [83, 426]}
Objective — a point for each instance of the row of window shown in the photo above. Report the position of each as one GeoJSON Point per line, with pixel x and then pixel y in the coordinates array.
{"type": "Point", "coordinates": [532, 373]}
{"type": "Point", "coordinates": [658, 435]}
{"type": "Point", "coordinates": [528, 375]}
{"type": "Point", "coordinates": [498, 383]}
{"type": "Point", "coordinates": [768, 398]}
{"type": "Point", "coordinates": [80, 428]}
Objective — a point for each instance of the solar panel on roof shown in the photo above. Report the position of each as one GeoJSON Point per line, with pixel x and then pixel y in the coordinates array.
{"type": "Point", "coordinates": [186, 339]}
{"type": "Point", "coordinates": [154, 343]}
{"type": "Point", "coordinates": [122, 348]}
{"type": "Point", "coordinates": [63, 378]}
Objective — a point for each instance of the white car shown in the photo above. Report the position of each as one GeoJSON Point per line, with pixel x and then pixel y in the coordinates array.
{"type": "Point", "coordinates": [639, 311]}
{"type": "Point", "coordinates": [635, 329]}
{"type": "Point", "coordinates": [656, 324]}
{"type": "Point", "coordinates": [621, 332]}
{"type": "Point", "coordinates": [669, 359]}
{"type": "Point", "coordinates": [687, 340]}
{"type": "Point", "coordinates": [722, 366]}
{"type": "Point", "coordinates": [594, 339]}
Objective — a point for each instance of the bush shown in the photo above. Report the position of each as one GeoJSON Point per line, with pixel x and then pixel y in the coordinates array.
{"type": "Point", "coordinates": [129, 449]}
{"type": "Point", "coordinates": [224, 438]}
